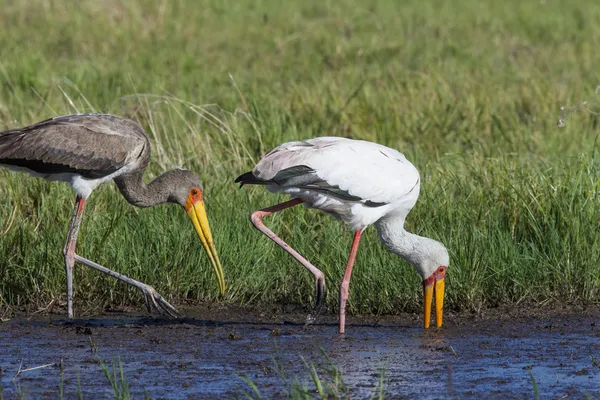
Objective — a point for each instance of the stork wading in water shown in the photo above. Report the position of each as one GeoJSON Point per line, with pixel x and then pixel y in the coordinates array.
{"type": "Point", "coordinates": [361, 183]}
{"type": "Point", "coordinates": [87, 150]}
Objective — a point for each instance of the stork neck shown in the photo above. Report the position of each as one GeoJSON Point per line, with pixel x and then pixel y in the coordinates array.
{"type": "Point", "coordinates": [139, 194]}
{"type": "Point", "coordinates": [411, 247]}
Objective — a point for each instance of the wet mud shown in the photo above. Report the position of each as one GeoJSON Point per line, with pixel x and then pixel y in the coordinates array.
{"type": "Point", "coordinates": [210, 352]}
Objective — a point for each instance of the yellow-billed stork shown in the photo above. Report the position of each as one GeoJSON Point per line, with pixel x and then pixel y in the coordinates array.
{"type": "Point", "coordinates": [361, 183]}
{"type": "Point", "coordinates": [86, 150]}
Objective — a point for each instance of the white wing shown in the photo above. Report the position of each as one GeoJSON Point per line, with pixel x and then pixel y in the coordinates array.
{"type": "Point", "coordinates": [365, 170]}
{"type": "Point", "coordinates": [356, 181]}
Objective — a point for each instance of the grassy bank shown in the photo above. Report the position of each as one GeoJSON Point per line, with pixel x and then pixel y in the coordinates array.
{"type": "Point", "coordinates": [470, 91]}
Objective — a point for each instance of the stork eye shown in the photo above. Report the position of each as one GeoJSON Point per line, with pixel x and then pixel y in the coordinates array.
{"type": "Point", "coordinates": [441, 269]}
{"type": "Point", "coordinates": [195, 192]}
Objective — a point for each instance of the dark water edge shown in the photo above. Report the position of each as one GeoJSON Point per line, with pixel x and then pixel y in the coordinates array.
{"type": "Point", "coordinates": [207, 354]}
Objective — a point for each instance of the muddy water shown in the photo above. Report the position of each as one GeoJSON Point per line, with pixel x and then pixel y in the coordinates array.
{"type": "Point", "coordinates": [205, 355]}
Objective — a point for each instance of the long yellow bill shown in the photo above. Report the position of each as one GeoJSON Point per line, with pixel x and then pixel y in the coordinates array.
{"type": "Point", "coordinates": [197, 214]}
{"type": "Point", "coordinates": [427, 300]}
{"type": "Point", "coordinates": [439, 302]}
{"type": "Point", "coordinates": [428, 291]}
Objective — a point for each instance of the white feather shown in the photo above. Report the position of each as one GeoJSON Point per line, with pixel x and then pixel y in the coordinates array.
{"type": "Point", "coordinates": [366, 170]}
{"type": "Point", "coordinates": [369, 171]}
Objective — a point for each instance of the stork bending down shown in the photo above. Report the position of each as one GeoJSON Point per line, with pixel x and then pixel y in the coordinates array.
{"type": "Point", "coordinates": [361, 183]}
{"type": "Point", "coordinates": [87, 150]}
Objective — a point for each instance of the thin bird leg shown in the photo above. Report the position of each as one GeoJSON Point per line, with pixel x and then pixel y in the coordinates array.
{"type": "Point", "coordinates": [69, 249]}
{"type": "Point", "coordinates": [256, 218]}
{"type": "Point", "coordinates": [149, 292]}
{"type": "Point", "coordinates": [345, 286]}
{"type": "Point", "coordinates": [71, 258]}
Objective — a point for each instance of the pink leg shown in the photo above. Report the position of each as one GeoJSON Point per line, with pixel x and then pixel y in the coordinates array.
{"type": "Point", "coordinates": [345, 286]}
{"type": "Point", "coordinates": [256, 218]}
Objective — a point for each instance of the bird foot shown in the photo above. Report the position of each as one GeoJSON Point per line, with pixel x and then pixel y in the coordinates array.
{"type": "Point", "coordinates": [320, 294]}
{"type": "Point", "coordinates": [156, 301]}
{"type": "Point", "coordinates": [320, 300]}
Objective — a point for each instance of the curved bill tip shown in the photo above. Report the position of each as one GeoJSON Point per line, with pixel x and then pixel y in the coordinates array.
{"type": "Point", "coordinates": [197, 214]}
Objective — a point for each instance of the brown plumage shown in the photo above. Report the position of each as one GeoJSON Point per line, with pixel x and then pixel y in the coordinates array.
{"type": "Point", "coordinates": [86, 150]}
{"type": "Point", "coordinates": [91, 145]}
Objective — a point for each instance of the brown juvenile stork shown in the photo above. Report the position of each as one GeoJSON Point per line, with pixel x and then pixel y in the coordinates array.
{"type": "Point", "coordinates": [87, 150]}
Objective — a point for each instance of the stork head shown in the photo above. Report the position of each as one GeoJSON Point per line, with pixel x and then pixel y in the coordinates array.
{"type": "Point", "coordinates": [186, 190]}
{"type": "Point", "coordinates": [432, 266]}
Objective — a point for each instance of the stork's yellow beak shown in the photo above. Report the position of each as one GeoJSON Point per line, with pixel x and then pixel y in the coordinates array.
{"type": "Point", "coordinates": [197, 213]}
{"type": "Point", "coordinates": [428, 290]}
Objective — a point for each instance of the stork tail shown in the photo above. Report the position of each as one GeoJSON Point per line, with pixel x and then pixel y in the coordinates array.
{"type": "Point", "coordinates": [249, 179]}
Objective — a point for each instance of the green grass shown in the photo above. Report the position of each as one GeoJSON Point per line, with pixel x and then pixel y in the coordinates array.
{"type": "Point", "coordinates": [324, 381]}
{"type": "Point", "coordinates": [114, 374]}
{"type": "Point", "coordinates": [470, 91]}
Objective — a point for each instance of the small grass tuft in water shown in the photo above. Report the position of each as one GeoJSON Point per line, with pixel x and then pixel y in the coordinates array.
{"type": "Point", "coordinates": [536, 391]}
{"type": "Point", "coordinates": [323, 381]}
{"type": "Point", "coordinates": [116, 377]}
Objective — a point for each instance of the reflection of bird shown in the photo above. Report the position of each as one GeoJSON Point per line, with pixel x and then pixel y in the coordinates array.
{"type": "Point", "coordinates": [90, 149]}
{"type": "Point", "coordinates": [361, 183]}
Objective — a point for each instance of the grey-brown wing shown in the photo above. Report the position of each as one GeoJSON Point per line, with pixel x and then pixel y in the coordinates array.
{"type": "Point", "coordinates": [93, 145]}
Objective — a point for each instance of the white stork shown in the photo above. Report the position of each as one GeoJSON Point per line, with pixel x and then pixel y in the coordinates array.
{"type": "Point", "coordinates": [361, 183]}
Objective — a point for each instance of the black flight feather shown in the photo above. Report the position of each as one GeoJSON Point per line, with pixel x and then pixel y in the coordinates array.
{"type": "Point", "coordinates": [304, 177]}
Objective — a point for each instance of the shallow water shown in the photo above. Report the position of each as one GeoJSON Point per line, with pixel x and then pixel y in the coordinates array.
{"type": "Point", "coordinates": [206, 357]}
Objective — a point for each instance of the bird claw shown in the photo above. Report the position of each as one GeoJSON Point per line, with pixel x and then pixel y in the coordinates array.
{"type": "Point", "coordinates": [156, 301]}
{"type": "Point", "coordinates": [320, 300]}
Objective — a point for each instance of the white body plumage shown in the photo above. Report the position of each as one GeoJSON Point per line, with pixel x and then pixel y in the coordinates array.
{"type": "Point", "coordinates": [361, 183]}
{"type": "Point", "coordinates": [380, 181]}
